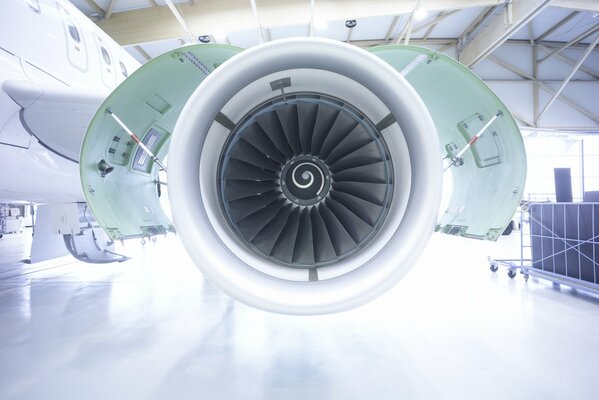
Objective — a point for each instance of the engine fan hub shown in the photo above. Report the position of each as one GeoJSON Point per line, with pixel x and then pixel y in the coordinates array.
{"type": "Point", "coordinates": [305, 180]}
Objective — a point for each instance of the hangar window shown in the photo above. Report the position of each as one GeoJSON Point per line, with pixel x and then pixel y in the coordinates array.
{"type": "Point", "coordinates": [74, 32]}
{"type": "Point", "coordinates": [105, 55]}
{"type": "Point", "coordinates": [123, 69]}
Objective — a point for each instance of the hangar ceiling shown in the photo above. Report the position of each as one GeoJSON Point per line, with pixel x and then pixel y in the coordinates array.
{"type": "Point", "coordinates": [538, 55]}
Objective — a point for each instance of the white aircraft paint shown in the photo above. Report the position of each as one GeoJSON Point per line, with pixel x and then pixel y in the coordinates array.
{"type": "Point", "coordinates": [56, 68]}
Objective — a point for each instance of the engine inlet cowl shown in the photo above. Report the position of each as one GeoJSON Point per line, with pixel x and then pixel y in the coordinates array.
{"type": "Point", "coordinates": [304, 176]}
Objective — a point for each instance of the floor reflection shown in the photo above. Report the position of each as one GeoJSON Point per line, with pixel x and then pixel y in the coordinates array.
{"type": "Point", "coordinates": [153, 328]}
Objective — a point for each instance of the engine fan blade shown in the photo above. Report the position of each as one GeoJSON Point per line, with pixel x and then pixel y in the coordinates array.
{"type": "Point", "coordinates": [374, 173]}
{"type": "Point", "coordinates": [236, 189]}
{"type": "Point", "coordinates": [288, 118]}
{"type": "Point", "coordinates": [303, 252]}
{"type": "Point", "coordinates": [268, 236]}
{"type": "Point", "coordinates": [357, 138]}
{"type": "Point", "coordinates": [259, 139]}
{"type": "Point", "coordinates": [323, 246]}
{"type": "Point", "coordinates": [341, 128]}
{"type": "Point", "coordinates": [252, 224]}
{"type": "Point", "coordinates": [248, 153]}
{"type": "Point", "coordinates": [371, 192]}
{"type": "Point", "coordinates": [284, 247]}
{"type": "Point", "coordinates": [237, 169]}
{"type": "Point", "coordinates": [325, 118]}
{"type": "Point", "coordinates": [340, 237]}
{"type": "Point", "coordinates": [269, 122]}
{"type": "Point", "coordinates": [239, 209]}
{"type": "Point", "coordinates": [306, 116]}
{"type": "Point", "coordinates": [365, 155]}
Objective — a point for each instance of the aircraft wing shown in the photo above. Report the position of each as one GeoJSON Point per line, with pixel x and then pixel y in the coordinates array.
{"type": "Point", "coordinates": [57, 116]}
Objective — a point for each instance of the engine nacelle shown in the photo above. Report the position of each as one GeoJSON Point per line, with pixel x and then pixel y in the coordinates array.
{"type": "Point", "coordinates": [324, 192]}
{"type": "Point", "coordinates": [305, 174]}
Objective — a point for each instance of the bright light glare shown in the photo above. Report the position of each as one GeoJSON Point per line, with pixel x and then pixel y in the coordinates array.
{"type": "Point", "coordinates": [420, 14]}
{"type": "Point", "coordinates": [219, 36]}
{"type": "Point", "coordinates": [321, 25]}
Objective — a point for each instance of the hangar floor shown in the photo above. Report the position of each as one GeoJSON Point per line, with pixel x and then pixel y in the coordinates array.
{"type": "Point", "coordinates": [152, 328]}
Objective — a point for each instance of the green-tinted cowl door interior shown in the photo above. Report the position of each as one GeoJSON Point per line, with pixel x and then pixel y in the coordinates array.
{"type": "Point", "coordinates": [119, 180]}
{"type": "Point", "coordinates": [489, 177]}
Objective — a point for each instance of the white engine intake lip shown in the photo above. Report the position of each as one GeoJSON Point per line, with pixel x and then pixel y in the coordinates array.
{"type": "Point", "coordinates": [383, 262]}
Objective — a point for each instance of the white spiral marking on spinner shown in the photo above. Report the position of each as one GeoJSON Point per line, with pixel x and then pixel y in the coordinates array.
{"type": "Point", "coordinates": [311, 175]}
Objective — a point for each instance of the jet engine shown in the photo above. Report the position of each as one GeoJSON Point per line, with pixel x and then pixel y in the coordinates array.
{"type": "Point", "coordinates": [304, 175]}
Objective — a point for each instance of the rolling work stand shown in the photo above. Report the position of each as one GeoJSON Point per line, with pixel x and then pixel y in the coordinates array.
{"type": "Point", "coordinates": [562, 241]}
{"type": "Point", "coordinates": [514, 264]}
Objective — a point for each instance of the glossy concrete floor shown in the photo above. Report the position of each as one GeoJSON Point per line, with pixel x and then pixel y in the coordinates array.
{"type": "Point", "coordinates": [153, 328]}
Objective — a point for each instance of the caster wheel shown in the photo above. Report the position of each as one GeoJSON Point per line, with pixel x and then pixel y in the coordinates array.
{"type": "Point", "coordinates": [511, 273]}
{"type": "Point", "coordinates": [526, 276]}
{"type": "Point", "coordinates": [508, 229]}
{"type": "Point", "coordinates": [494, 267]}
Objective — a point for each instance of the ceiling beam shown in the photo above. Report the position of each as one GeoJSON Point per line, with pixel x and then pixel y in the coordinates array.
{"type": "Point", "coordinates": [184, 26]}
{"type": "Point", "coordinates": [534, 55]}
{"type": "Point", "coordinates": [431, 25]}
{"type": "Point", "coordinates": [551, 45]}
{"type": "Point", "coordinates": [311, 25]}
{"type": "Point", "coordinates": [547, 81]}
{"type": "Point", "coordinates": [143, 53]}
{"type": "Point", "coordinates": [567, 60]}
{"type": "Point", "coordinates": [392, 28]}
{"type": "Point", "coordinates": [531, 37]}
{"type": "Point", "coordinates": [521, 118]}
{"type": "Point", "coordinates": [153, 3]}
{"type": "Point", "coordinates": [417, 42]}
{"type": "Point", "coordinates": [511, 68]}
{"type": "Point", "coordinates": [206, 17]}
{"type": "Point", "coordinates": [570, 75]}
{"type": "Point", "coordinates": [475, 22]}
{"type": "Point", "coordinates": [365, 44]}
{"type": "Point", "coordinates": [547, 88]}
{"type": "Point", "coordinates": [96, 7]}
{"type": "Point", "coordinates": [453, 41]}
{"type": "Point", "coordinates": [585, 5]}
{"type": "Point", "coordinates": [258, 24]}
{"type": "Point", "coordinates": [577, 39]}
{"type": "Point", "coordinates": [430, 28]}
{"type": "Point", "coordinates": [497, 32]}
{"type": "Point", "coordinates": [109, 9]}
{"type": "Point", "coordinates": [566, 100]}
{"type": "Point", "coordinates": [411, 22]}
{"type": "Point", "coordinates": [556, 26]}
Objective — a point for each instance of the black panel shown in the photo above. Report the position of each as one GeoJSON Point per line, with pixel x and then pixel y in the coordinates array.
{"type": "Point", "coordinates": [591, 196]}
{"type": "Point", "coordinates": [563, 185]}
{"type": "Point", "coordinates": [564, 239]}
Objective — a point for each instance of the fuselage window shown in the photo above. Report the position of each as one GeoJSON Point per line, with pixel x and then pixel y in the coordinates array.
{"type": "Point", "coordinates": [105, 55]}
{"type": "Point", "coordinates": [124, 69]}
{"type": "Point", "coordinates": [74, 33]}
